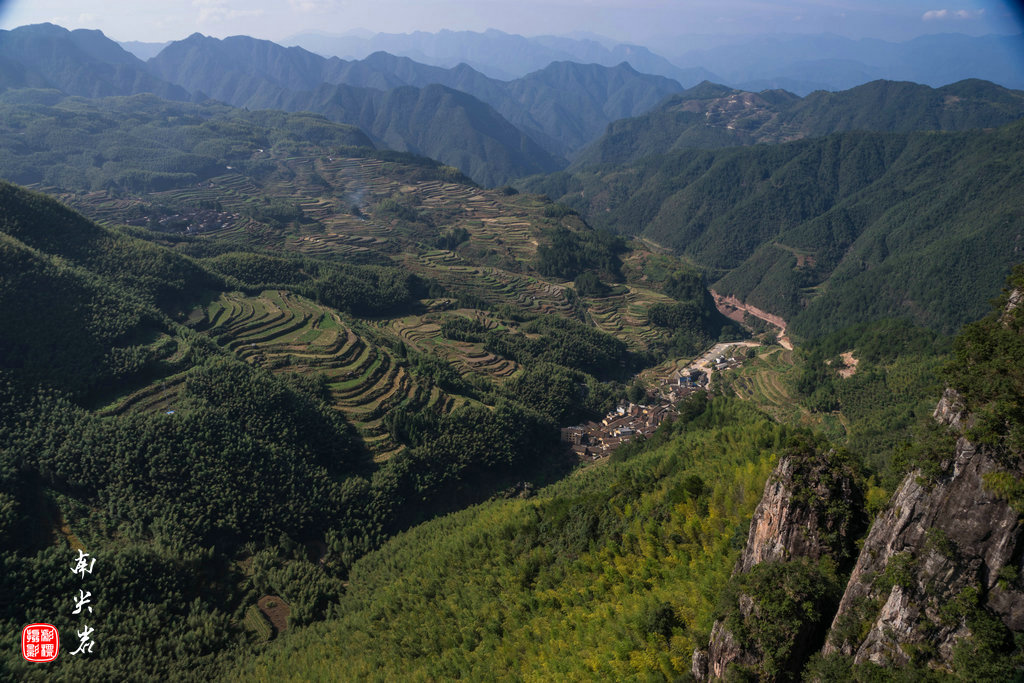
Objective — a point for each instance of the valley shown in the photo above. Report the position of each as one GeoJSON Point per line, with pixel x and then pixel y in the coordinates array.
{"type": "Point", "coordinates": [378, 369]}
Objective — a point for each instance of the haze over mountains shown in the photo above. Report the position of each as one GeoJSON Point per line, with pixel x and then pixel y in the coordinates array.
{"type": "Point", "coordinates": [799, 63]}
{"type": "Point", "coordinates": [706, 171]}
{"type": "Point", "coordinates": [492, 130]}
{"type": "Point", "coordinates": [563, 106]}
{"type": "Point", "coordinates": [709, 116]}
{"type": "Point", "coordinates": [496, 53]}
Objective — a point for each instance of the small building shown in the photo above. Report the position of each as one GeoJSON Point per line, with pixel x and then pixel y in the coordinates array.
{"type": "Point", "coordinates": [574, 435]}
{"type": "Point", "coordinates": [582, 451]}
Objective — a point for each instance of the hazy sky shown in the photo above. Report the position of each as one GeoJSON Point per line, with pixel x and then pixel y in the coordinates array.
{"type": "Point", "coordinates": [625, 20]}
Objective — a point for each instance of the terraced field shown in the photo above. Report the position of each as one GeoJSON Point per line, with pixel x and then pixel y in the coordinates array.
{"type": "Point", "coordinates": [491, 284]}
{"type": "Point", "coordinates": [625, 316]}
{"type": "Point", "coordinates": [339, 197]}
{"type": "Point", "coordinates": [422, 333]}
{"type": "Point", "coordinates": [766, 381]}
{"type": "Point", "coordinates": [287, 333]}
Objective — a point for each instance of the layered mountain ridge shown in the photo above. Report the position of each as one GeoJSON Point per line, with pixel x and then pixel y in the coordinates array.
{"type": "Point", "coordinates": [710, 116]}
{"type": "Point", "coordinates": [496, 130]}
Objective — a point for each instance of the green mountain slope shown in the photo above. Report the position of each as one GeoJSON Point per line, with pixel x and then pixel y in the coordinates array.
{"type": "Point", "coordinates": [161, 498]}
{"type": "Point", "coordinates": [830, 231]}
{"type": "Point", "coordinates": [613, 573]}
{"type": "Point", "coordinates": [85, 309]}
{"type": "Point", "coordinates": [571, 104]}
{"type": "Point", "coordinates": [142, 142]}
{"type": "Point", "coordinates": [436, 121]}
{"type": "Point", "coordinates": [617, 572]}
{"type": "Point", "coordinates": [710, 116]}
{"type": "Point", "coordinates": [180, 409]}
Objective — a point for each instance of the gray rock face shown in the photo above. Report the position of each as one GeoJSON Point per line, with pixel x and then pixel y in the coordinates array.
{"type": "Point", "coordinates": [724, 650]}
{"type": "Point", "coordinates": [943, 538]}
{"type": "Point", "coordinates": [791, 521]}
{"type": "Point", "coordinates": [699, 668]}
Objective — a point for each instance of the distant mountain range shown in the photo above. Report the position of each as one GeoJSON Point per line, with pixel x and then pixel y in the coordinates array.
{"type": "Point", "coordinates": [496, 130]}
{"type": "Point", "coordinates": [798, 63]}
{"type": "Point", "coordinates": [562, 107]}
{"type": "Point", "coordinates": [803, 63]}
{"type": "Point", "coordinates": [492, 130]}
{"type": "Point", "coordinates": [80, 62]}
{"type": "Point", "coordinates": [498, 54]}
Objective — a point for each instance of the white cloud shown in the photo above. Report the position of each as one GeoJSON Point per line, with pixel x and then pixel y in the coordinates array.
{"type": "Point", "coordinates": [941, 14]}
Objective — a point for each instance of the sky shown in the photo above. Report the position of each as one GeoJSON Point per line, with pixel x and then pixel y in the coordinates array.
{"type": "Point", "coordinates": [635, 21]}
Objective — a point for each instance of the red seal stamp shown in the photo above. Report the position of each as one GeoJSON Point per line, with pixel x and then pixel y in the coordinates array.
{"type": "Point", "coordinates": [40, 642]}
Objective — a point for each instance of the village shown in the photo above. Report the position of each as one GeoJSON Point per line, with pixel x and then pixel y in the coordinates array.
{"type": "Point", "coordinates": [596, 440]}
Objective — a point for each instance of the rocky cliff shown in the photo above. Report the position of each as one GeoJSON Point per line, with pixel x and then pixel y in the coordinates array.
{"type": "Point", "coordinates": [938, 583]}
{"type": "Point", "coordinates": [784, 586]}
{"type": "Point", "coordinates": [940, 558]}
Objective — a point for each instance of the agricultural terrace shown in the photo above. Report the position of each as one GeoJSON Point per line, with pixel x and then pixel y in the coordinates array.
{"type": "Point", "coordinates": [327, 206]}
{"type": "Point", "coordinates": [768, 380]}
{"type": "Point", "coordinates": [289, 334]}
{"type": "Point", "coordinates": [339, 198]}
{"type": "Point", "coordinates": [625, 316]}
{"type": "Point", "coordinates": [422, 333]}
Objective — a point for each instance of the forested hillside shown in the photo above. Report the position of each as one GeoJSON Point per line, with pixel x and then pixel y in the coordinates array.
{"type": "Point", "coordinates": [336, 375]}
{"type": "Point", "coordinates": [709, 116]}
{"type": "Point", "coordinates": [613, 573]}
{"type": "Point", "coordinates": [142, 143]}
{"type": "Point", "coordinates": [832, 231]}
{"type": "Point", "coordinates": [367, 379]}
{"type": "Point", "coordinates": [623, 571]}
{"type": "Point", "coordinates": [95, 313]}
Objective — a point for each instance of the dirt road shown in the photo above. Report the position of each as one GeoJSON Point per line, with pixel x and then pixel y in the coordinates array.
{"type": "Point", "coordinates": [730, 305]}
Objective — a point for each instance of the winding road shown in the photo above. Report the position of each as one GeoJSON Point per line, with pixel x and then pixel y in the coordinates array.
{"type": "Point", "coordinates": [730, 305]}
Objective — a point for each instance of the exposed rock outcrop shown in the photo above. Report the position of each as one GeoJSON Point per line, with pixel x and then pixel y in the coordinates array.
{"type": "Point", "coordinates": [934, 542]}
{"type": "Point", "coordinates": [809, 511]}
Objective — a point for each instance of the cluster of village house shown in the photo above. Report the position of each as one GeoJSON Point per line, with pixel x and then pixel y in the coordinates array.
{"type": "Point", "coordinates": [595, 440]}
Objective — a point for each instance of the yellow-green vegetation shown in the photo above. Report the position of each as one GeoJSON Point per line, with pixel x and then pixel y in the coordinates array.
{"type": "Point", "coordinates": [769, 381]}
{"type": "Point", "coordinates": [610, 574]}
{"type": "Point", "coordinates": [257, 623]}
{"type": "Point", "coordinates": [887, 401]}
